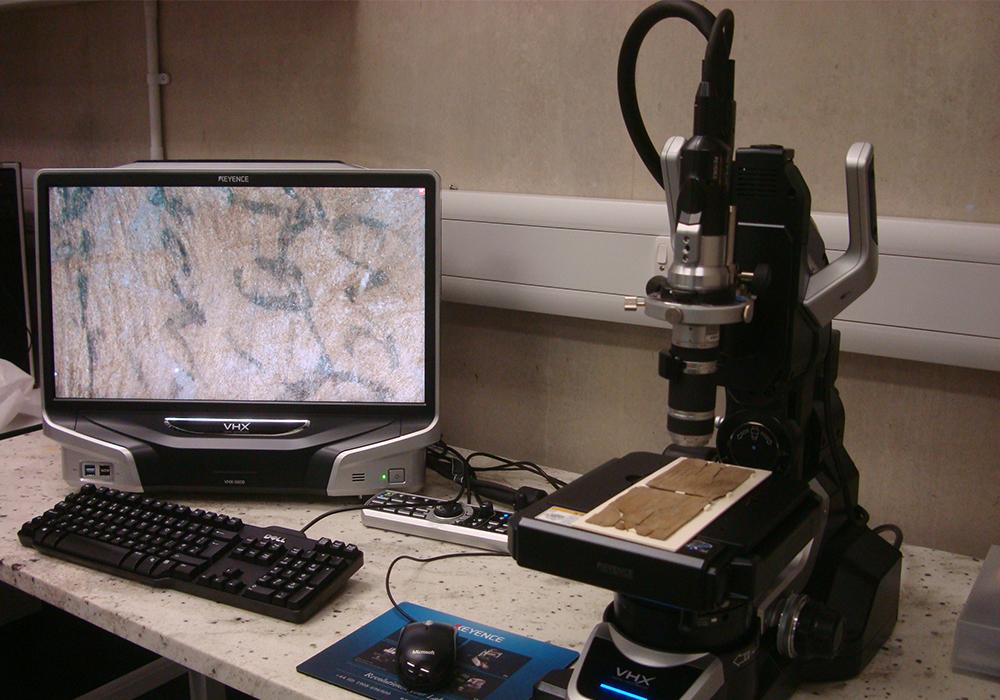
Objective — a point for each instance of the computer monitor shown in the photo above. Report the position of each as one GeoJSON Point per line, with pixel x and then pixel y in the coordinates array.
{"type": "Point", "coordinates": [16, 317]}
{"type": "Point", "coordinates": [258, 327]}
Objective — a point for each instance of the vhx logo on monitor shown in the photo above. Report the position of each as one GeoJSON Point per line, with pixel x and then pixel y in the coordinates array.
{"type": "Point", "coordinates": [245, 179]}
{"type": "Point", "coordinates": [236, 427]}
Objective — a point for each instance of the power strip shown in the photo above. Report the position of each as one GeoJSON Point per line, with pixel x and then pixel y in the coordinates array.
{"type": "Point", "coordinates": [411, 514]}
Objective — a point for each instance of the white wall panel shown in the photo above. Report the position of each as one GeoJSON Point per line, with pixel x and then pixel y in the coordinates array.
{"type": "Point", "coordinates": [936, 298]}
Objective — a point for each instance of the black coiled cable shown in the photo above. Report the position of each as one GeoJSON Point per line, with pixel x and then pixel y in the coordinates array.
{"type": "Point", "coordinates": [718, 31]}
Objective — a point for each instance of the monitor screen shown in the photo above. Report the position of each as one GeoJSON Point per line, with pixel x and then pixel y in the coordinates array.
{"type": "Point", "coordinates": [239, 293]}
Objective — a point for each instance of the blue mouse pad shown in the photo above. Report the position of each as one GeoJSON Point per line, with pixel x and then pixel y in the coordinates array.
{"type": "Point", "coordinates": [491, 663]}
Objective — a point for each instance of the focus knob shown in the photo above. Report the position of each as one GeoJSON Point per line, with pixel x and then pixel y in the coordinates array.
{"type": "Point", "coordinates": [657, 285]}
{"type": "Point", "coordinates": [819, 632]}
{"type": "Point", "coordinates": [808, 629]}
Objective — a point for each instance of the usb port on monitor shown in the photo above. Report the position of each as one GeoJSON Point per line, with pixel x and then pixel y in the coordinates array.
{"type": "Point", "coordinates": [104, 470]}
{"type": "Point", "coordinates": [89, 469]}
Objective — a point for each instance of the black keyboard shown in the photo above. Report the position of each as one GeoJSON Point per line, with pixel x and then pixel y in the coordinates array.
{"type": "Point", "coordinates": [270, 570]}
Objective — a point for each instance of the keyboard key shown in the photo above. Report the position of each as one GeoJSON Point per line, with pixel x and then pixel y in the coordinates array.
{"type": "Point", "coordinates": [299, 600]}
{"type": "Point", "coordinates": [85, 548]}
{"type": "Point", "coordinates": [52, 539]}
{"type": "Point", "coordinates": [321, 577]}
{"type": "Point", "coordinates": [147, 565]}
{"type": "Point", "coordinates": [183, 571]}
{"type": "Point", "coordinates": [188, 559]}
{"type": "Point", "coordinates": [261, 593]}
{"type": "Point", "coordinates": [163, 568]}
{"type": "Point", "coordinates": [214, 549]}
{"type": "Point", "coordinates": [132, 560]}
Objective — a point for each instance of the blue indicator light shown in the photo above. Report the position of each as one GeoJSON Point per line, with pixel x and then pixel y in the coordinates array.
{"type": "Point", "coordinates": [621, 692]}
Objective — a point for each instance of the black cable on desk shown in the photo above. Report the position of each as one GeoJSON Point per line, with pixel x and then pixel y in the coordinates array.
{"type": "Point", "coordinates": [447, 450]}
{"type": "Point", "coordinates": [442, 449]}
{"type": "Point", "coordinates": [512, 465]}
{"type": "Point", "coordinates": [328, 513]}
{"type": "Point", "coordinates": [425, 560]}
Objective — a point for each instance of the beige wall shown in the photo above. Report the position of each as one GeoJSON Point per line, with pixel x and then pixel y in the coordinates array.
{"type": "Point", "coordinates": [521, 97]}
{"type": "Point", "coordinates": [516, 96]}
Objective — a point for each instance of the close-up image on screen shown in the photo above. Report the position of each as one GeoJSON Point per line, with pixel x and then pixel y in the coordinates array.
{"type": "Point", "coordinates": [239, 294]}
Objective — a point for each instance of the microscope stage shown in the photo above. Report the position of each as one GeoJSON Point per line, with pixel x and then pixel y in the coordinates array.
{"type": "Point", "coordinates": [668, 508]}
{"type": "Point", "coordinates": [730, 545]}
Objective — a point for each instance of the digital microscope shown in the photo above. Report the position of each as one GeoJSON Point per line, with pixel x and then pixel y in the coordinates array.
{"type": "Point", "coordinates": [789, 584]}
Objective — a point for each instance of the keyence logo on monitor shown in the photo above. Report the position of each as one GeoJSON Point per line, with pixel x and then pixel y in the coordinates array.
{"type": "Point", "coordinates": [235, 178]}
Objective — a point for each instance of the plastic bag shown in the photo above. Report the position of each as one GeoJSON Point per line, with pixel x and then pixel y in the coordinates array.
{"type": "Point", "coordinates": [16, 394]}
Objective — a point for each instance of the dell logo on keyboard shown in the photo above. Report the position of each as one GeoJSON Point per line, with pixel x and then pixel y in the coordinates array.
{"type": "Point", "coordinates": [235, 178]}
{"type": "Point", "coordinates": [273, 537]}
{"type": "Point", "coordinates": [237, 427]}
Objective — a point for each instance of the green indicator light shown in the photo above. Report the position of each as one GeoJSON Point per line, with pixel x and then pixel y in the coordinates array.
{"type": "Point", "coordinates": [383, 477]}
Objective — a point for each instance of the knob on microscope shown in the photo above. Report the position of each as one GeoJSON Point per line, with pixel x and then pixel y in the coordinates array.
{"type": "Point", "coordinates": [808, 629]}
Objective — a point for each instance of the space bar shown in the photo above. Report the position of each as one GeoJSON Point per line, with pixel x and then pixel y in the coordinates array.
{"type": "Point", "coordinates": [94, 550]}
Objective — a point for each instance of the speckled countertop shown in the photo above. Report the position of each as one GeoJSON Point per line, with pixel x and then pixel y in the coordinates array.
{"type": "Point", "coordinates": [258, 655]}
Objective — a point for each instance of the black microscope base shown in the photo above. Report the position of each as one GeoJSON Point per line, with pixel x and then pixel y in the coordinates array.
{"type": "Point", "coordinates": [859, 576]}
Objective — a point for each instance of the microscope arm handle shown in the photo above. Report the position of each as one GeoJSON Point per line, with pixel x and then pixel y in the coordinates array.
{"type": "Point", "coordinates": [670, 165]}
{"type": "Point", "coordinates": [832, 289]}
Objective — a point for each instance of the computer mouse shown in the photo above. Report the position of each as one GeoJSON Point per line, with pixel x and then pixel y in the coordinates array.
{"type": "Point", "coordinates": [425, 655]}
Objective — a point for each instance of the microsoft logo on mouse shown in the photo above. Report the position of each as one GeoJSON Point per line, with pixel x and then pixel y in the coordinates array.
{"type": "Point", "coordinates": [482, 634]}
